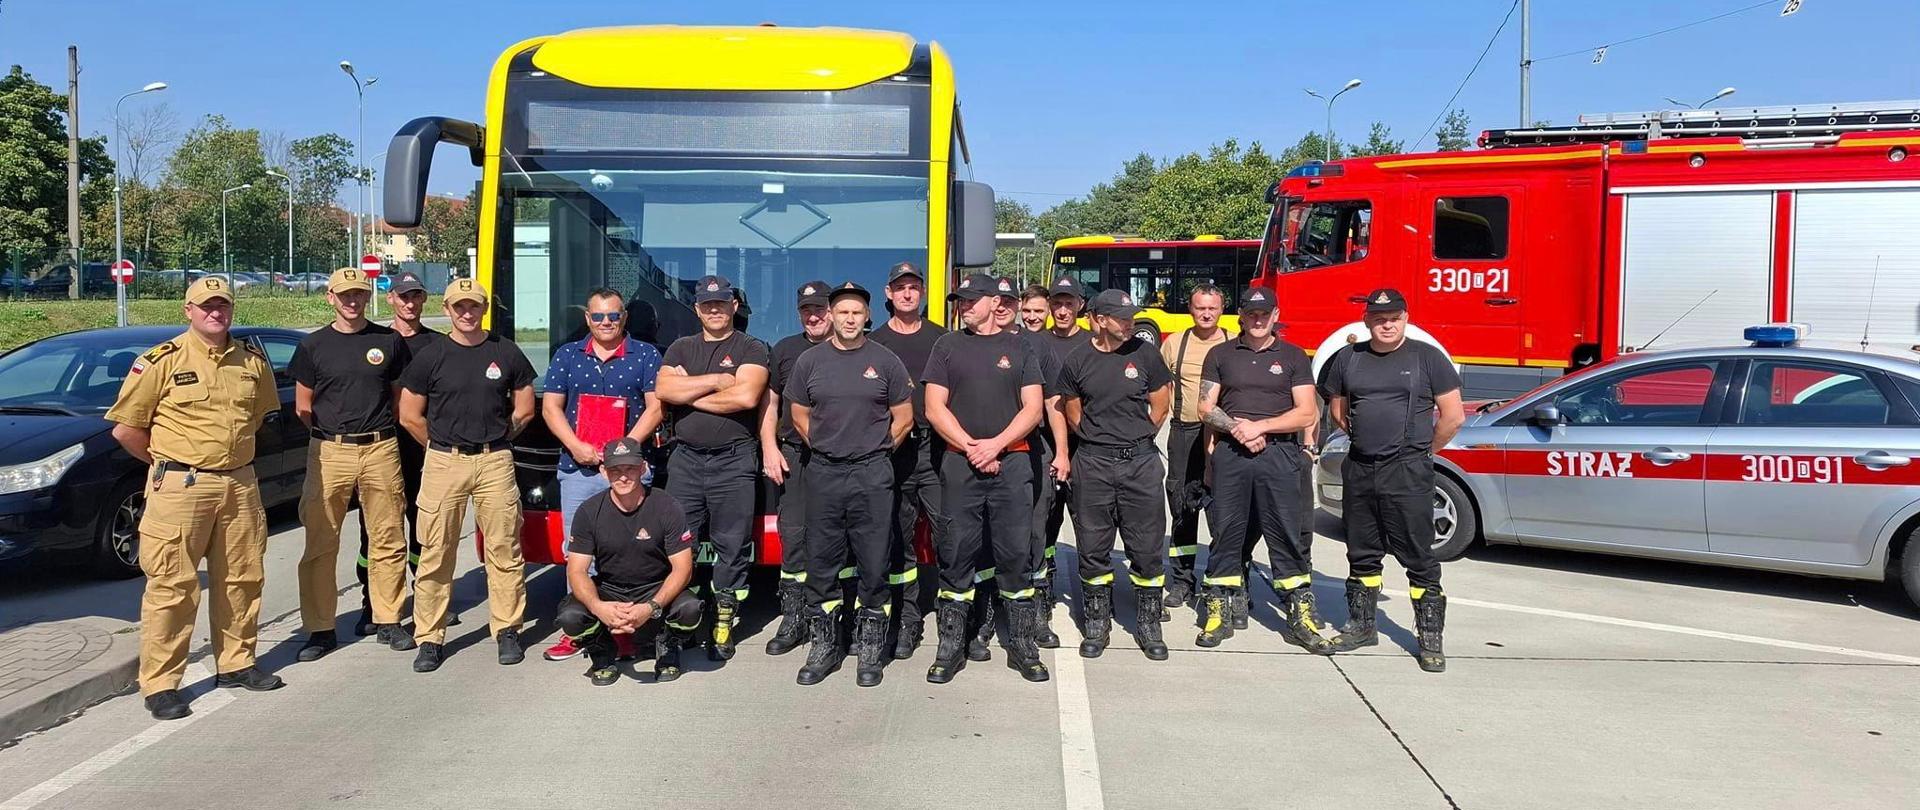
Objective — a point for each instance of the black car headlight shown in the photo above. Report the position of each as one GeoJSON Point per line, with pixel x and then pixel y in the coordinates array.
{"type": "Point", "coordinates": [39, 474]}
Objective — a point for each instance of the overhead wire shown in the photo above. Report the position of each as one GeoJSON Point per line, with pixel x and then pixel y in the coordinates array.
{"type": "Point", "coordinates": [1469, 77]}
{"type": "Point", "coordinates": [1701, 21]}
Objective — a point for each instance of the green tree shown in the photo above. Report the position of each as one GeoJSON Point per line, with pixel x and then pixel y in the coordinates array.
{"type": "Point", "coordinates": [447, 228]}
{"type": "Point", "coordinates": [1018, 263]}
{"type": "Point", "coordinates": [1452, 134]}
{"type": "Point", "coordinates": [1222, 192]}
{"type": "Point", "coordinates": [33, 157]}
{"type": "Point", "coordinates": [215, 156]}
{"type": "Point", "coordinates": [1108, 208]}
{"type": "Point", "coordinates": [321, 165]}
{"type": "Point", "coordinates": [1378, 142]}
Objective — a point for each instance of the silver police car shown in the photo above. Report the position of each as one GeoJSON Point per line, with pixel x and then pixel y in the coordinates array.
{"type": "Point", "coordinates": [1782, 455]}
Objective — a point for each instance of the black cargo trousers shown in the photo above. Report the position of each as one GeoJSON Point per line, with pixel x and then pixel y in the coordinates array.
{"type": "Point", "coordinates": [1388, 508]}
{"type": "Point", "coordinates": [984, 507]}
{"type": "Point", "coordinates": [586, 630]}
{"type": "Point", "coordinates": [716, 488]}
{"type": "Point", "coordinates": [849, 511]}
{"type": "Point", "coordinates": [1115, 489]}
{"type": "Point", "coordinates": [917, 495]}
{"type": "Point", "coordinates": [1255, 495]}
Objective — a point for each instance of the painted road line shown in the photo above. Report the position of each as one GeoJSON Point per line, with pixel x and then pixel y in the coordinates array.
{"type": "Point", "coordinates": [1079, 758]}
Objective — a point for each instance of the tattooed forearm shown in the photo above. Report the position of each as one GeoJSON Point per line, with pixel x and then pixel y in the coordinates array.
{"type": "Point", "coordinates": [1218, 420]}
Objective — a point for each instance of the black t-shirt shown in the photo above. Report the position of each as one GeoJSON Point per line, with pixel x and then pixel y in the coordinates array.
{"type": "Point", "coordinates": [420, 340]}
{"type": "Point", "coordinates": [1256, 384]}
{"type": "Point", "coordinates": [630, 549]}
{"type": "Point", "coordinates": [352, 376]}
{"type": "Point", "coordinates": [1063, 346]}
{"type": "Point", "coordinates": [1043, 350]}
{"type": "Point", "coordinates": [469, 389]}
{"type": "Point", "coordinates": [983, 377]}
{"type": "Point", "coordinates": [913, 351]}
{"type": "Point", "coordinates": [1390, 396]}
{"type": "Point", "coordinates": [780, 372]}
{"type": "Point", "coordinates": [1113, 388]}
{"type": "Point", "coordinates": [851, 392]}
{"type": "Point", "coordinates": [698, 356]}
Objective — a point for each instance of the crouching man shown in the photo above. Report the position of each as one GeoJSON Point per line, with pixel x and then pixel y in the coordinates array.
{"type": "Point", "coordinates": [629, 560]}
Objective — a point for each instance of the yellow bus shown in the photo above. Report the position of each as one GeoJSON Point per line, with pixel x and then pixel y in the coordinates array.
{"type": "Point", "coordinates": [1161, 275]}
{"type": "Point", "coordinates": [643, 158]}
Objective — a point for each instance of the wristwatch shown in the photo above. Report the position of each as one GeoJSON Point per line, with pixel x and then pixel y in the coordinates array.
{"type": "Point", "coordinates": [657, 609]}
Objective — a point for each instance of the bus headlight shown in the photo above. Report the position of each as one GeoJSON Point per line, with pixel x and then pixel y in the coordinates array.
{"type": "Point", "coordinates": [39, 474]}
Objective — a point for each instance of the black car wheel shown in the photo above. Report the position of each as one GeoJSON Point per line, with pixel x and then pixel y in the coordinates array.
{"type": "Point", "coordinates": [116, 549]}
{"type": "Point", "coordinates": [1909, 572]}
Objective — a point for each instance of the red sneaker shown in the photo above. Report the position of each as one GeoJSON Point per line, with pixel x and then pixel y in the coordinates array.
{"type": "Point", "coordinates": [563, 650]}
{"type": "Point", "coordinates": [624, 648]}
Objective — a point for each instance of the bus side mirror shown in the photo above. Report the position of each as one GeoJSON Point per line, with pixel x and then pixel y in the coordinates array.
{"type": "Point", "coordinates": [973, 241]}
{"type": "Point", "coordinates": [410, 157]}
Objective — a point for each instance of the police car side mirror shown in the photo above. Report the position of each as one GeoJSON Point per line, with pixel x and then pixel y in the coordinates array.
{"type": "Point", "coordinates": [1545, 415]}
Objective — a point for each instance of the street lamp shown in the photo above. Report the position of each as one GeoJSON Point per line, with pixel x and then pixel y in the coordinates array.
{"type": "Point", "coordinates": [226, 259]}
{"type": "Point", "coordinates": [119, 246]}
{"type": "Point", "coordinates": [1724, 92]}
{"type": "Point", "coordinates": [289, 179]}
{"type": "Point", "coordinates": [359, 150]}
{"type": "Point", "coordinates": [1351, 83]}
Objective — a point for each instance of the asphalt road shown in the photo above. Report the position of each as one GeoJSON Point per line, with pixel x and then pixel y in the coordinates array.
{"type": "Point", "coordinates": [1574, 681]}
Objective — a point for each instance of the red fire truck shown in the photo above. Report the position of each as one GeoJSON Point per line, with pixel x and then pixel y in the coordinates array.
{"type": "Point", "coordinates": [1553, 248]}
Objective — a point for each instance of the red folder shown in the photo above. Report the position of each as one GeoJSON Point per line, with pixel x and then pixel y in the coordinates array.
{"type": "Point", "coordinates": [601, 419]}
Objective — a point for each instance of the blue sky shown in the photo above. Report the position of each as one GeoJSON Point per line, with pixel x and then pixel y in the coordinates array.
{"type": "Point", "coordinates": [1057, 94]}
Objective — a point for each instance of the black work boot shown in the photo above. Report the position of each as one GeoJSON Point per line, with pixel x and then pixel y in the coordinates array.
{"type": "Point", "coordinates": [726, 612]}
{"type": "Point", "coordinates": [666, 653]}
{"type": "Point", "coordinates": [1216, 619]}
{"type": "Point", "coordinates": [251, 679]}
{"type": "Point", "coordinates": [601, 668]}
{"type": "Point", "coordinates": [319, 643]}
{"type": "Point", "coordinates": [510, 650]}
{"type": "Point", "coordinates": [1362, 605]}
{"type": "Point", "coordinates": [793, 618]}
{"type": "Point", "coordinates": [1147, 607]}
{"type": "Point", "coordinates": [428, 658]}
{"type": "Point", "coordinates": [1429, 619]}
{"type": "Point", "coordinates": [870, 645]}
{"type": "Point", "coordinates": [951, 656]}
{"type": "Point", "coordinates": [1237, 605]}
{"type": "Point", "coordinates": [364, 625]}
{"type": "Point", "coordinates": [823, 630]}
{"type": "Point", "coordinates": [1023, 654]}
{"type": "Point", "coordinates": [394, 637]}
{"type": "Point", "coordinates": [1096, 621]}
{"type": "Point", "coordinates": [980, 644]}
{"type": "Point", "coordinates": [168, 705]}
{"type": "Point", "coordinates": [911, 630]}
{"type": "Point", "coordinates": [1297, 623]}
{"type": "Point", "coordinates": [1043, 605]}
{"type": "Point", "coordinates": [1178, 592]}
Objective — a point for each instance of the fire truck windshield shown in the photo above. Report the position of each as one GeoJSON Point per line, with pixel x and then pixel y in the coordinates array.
{"type": "Point", "coordinates": [1305, 235]}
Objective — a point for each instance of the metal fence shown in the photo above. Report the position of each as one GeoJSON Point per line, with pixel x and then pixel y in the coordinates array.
{"type": "Point", "coordinates": [41, 275]}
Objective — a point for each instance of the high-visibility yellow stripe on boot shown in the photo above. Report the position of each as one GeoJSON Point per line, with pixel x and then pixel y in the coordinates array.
{"type": "Point", "coordinates": [1020, 594]}
{"type": "Point", "coordinates": [1370, 581]}
{"type": "Point", "coordinates": [1231, 582]}
{"type": "Point", "coordinates": [1103, 579]}
{"type": "Point", "coordinates": [1184, 551]}
{"type": "Point", "coordinates": [885, 608]}
{"type": "Point", "coordinates": [1416, 593]}
{"type": "Point", "coordinates": [904, 577]}
{"type": "Point", "coordinates": [957, 596]}
{"type": "Point", "coordinates": [799, 576]}
{"type": "Point", "coordinates": [1148, 582]}
{"type": "Point", "coordinates": [1292, 582]}
{"type": "Point", "coordinates": [985, 575]}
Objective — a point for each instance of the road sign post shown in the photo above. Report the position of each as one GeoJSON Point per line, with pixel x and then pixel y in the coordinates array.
{"type": "Point", "coordinates": [122, 276]}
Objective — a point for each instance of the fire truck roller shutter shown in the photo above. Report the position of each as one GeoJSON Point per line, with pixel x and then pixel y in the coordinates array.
{"type": "Point", "coordinates": [1356, 332]}
{"type": "Point", "coordinates": [1681, 247]}
{"type": "Point", "coordinates": [1839, 236]}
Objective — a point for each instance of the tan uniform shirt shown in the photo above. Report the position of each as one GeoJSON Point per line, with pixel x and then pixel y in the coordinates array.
{"type": "Point", "coordinates": [1186, 370]}
{"type": "Point", "coordinates": [204, 405]}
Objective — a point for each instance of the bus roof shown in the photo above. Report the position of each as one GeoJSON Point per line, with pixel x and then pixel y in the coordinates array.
{"type": "Point", "coordinates": [1135, 241]}
{"type": "Point", "coordinates": [688, 57]}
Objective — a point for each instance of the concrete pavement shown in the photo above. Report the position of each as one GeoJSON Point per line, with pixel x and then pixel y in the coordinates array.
{"type": "Point", "coordinates": [1574, 681]}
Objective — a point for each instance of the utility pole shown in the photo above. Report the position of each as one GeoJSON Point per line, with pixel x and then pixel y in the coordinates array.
{"type": "Point", "coordinates": [73, 167]}
{"type": "Point", "coordinates": [1526, 63]}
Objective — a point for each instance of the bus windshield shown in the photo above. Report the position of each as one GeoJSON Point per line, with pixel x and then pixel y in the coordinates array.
{"type": "Point", "coordinates": [653, 233]}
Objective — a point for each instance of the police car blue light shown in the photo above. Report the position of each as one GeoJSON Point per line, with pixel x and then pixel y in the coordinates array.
{"type": "Point", "coordinates": [1775, 335]}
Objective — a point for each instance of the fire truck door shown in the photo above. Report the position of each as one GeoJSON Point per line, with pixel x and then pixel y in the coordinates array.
{"type": "Point", "coordinates": [1329, 268]}
{"type": "Point", "coordinates": [1470, 288]}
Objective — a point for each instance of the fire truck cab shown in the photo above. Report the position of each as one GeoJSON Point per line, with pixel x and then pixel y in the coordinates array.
{"type": "Point", "coordinates": [1553, 248]}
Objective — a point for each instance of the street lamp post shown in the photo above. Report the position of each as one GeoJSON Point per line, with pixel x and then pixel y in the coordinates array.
{"type": "Point", "coordinates": [289, 179]}
{"type": "Point", "coordinates": [359, 151]}
{"type": "Point", "coordinates": [1724, 92]}
{"type": "Point", "coordinates": [119, 244]}
{"type": "Point", "coordinates": [1351, 83]}
{"type": "Point", "coordinates": [226, 258]}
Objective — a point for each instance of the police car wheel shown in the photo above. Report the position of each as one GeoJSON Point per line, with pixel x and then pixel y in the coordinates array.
{"type": "Point", "coordinates": [116, 546]}
{"type": "Point", "coordinates": [1456, 525]}
{"type": "Point", "coordinates": [1910, 564]}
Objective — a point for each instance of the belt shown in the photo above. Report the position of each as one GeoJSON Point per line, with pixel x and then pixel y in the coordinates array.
{"type": "Point", "coordinates": [863, 457]}
{"type": "Point", "coordinates": [709, 451]}
{"type": "Point", "coordinates": [471, 449]}
{"type": "Point", "coordinates": [1123, 452]}
{"type": "Point", "coordinates": [352, 438]}
{"type": "Point", "coordinates": [918, 433]}
{"type": "Point", "coordinates": [1185, 425]}
{"type": "Point", "coordinates": [1370, 458]}
{"type": "Point", "coordinates": [1017, 447]}
{"type": "Point", "coordinates": [162, 467]}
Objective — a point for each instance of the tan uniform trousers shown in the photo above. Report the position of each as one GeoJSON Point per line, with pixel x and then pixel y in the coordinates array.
{"type": "Point", "coordinates": [446, 482]}
{"type": "Point", "coordinates": [218, 518]}
{"type": "Point", "coordinates": [334, 471]}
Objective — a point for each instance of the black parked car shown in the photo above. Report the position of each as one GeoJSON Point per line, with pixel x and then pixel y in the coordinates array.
{"type": "Point", "coordinates": [66, 486]}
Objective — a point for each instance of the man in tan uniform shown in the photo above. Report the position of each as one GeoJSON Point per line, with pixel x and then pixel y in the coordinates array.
{"type": "Point", "coordinates": [345, 376]}
{"type": "Point", "coordinates": [465, 397]}
{"type": "Point", "coordinates": [190, 408]}
{"type": "Point", "coordinates": [1186, 451]}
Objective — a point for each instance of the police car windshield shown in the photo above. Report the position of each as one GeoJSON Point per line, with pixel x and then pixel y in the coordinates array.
{"type": "Point", "coordinates": [653, 233]}
{"type": "Point", "coordinates": [70, 373]}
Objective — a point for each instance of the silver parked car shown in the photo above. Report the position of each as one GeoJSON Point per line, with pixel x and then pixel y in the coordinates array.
{"type": "Point", "coordinates": [1781, 455]}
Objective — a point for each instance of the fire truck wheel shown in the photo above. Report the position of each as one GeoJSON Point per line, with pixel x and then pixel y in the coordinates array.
{"type": "Point", "coordinates": [1456, 520]}
{"type": "Point", "coordinates": [1909, 571]}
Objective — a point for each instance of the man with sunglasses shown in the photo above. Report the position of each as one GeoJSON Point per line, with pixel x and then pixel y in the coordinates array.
{"type": "Point", "coordinates": [599, 389]}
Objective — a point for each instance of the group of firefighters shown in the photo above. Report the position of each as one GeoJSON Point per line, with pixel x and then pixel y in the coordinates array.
{"type": "Point", "coordinates": [988, 435]}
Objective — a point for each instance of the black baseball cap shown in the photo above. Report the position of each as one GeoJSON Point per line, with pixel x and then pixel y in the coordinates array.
{"type": "Point", "coordinates": [1256, 298]}
{"type": "Point", "coordinates": [713, 288]}
{"type": "Point", "coordinates": [625, 451]}
{"type": "Point", "coordinates": [1386, 299]}
{"type": "Point", "coordinates": [406, 283]}
{"type": "Point", "coordinates": [902, 270]}
{"type": "Point", "coordinates": [850, 288]}
{"type": "Point", "coordinates": [1114, 304]}
{"type": "Point", "coordinates": [1068, 285]}
{"type": "Point", "coordinates": [812, 292]}
{"type": "Point", "coordinates": [975, 286]}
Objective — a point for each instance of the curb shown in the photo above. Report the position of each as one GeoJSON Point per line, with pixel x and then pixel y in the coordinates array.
{"type": "Point", "coordinates": [46, 704]}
